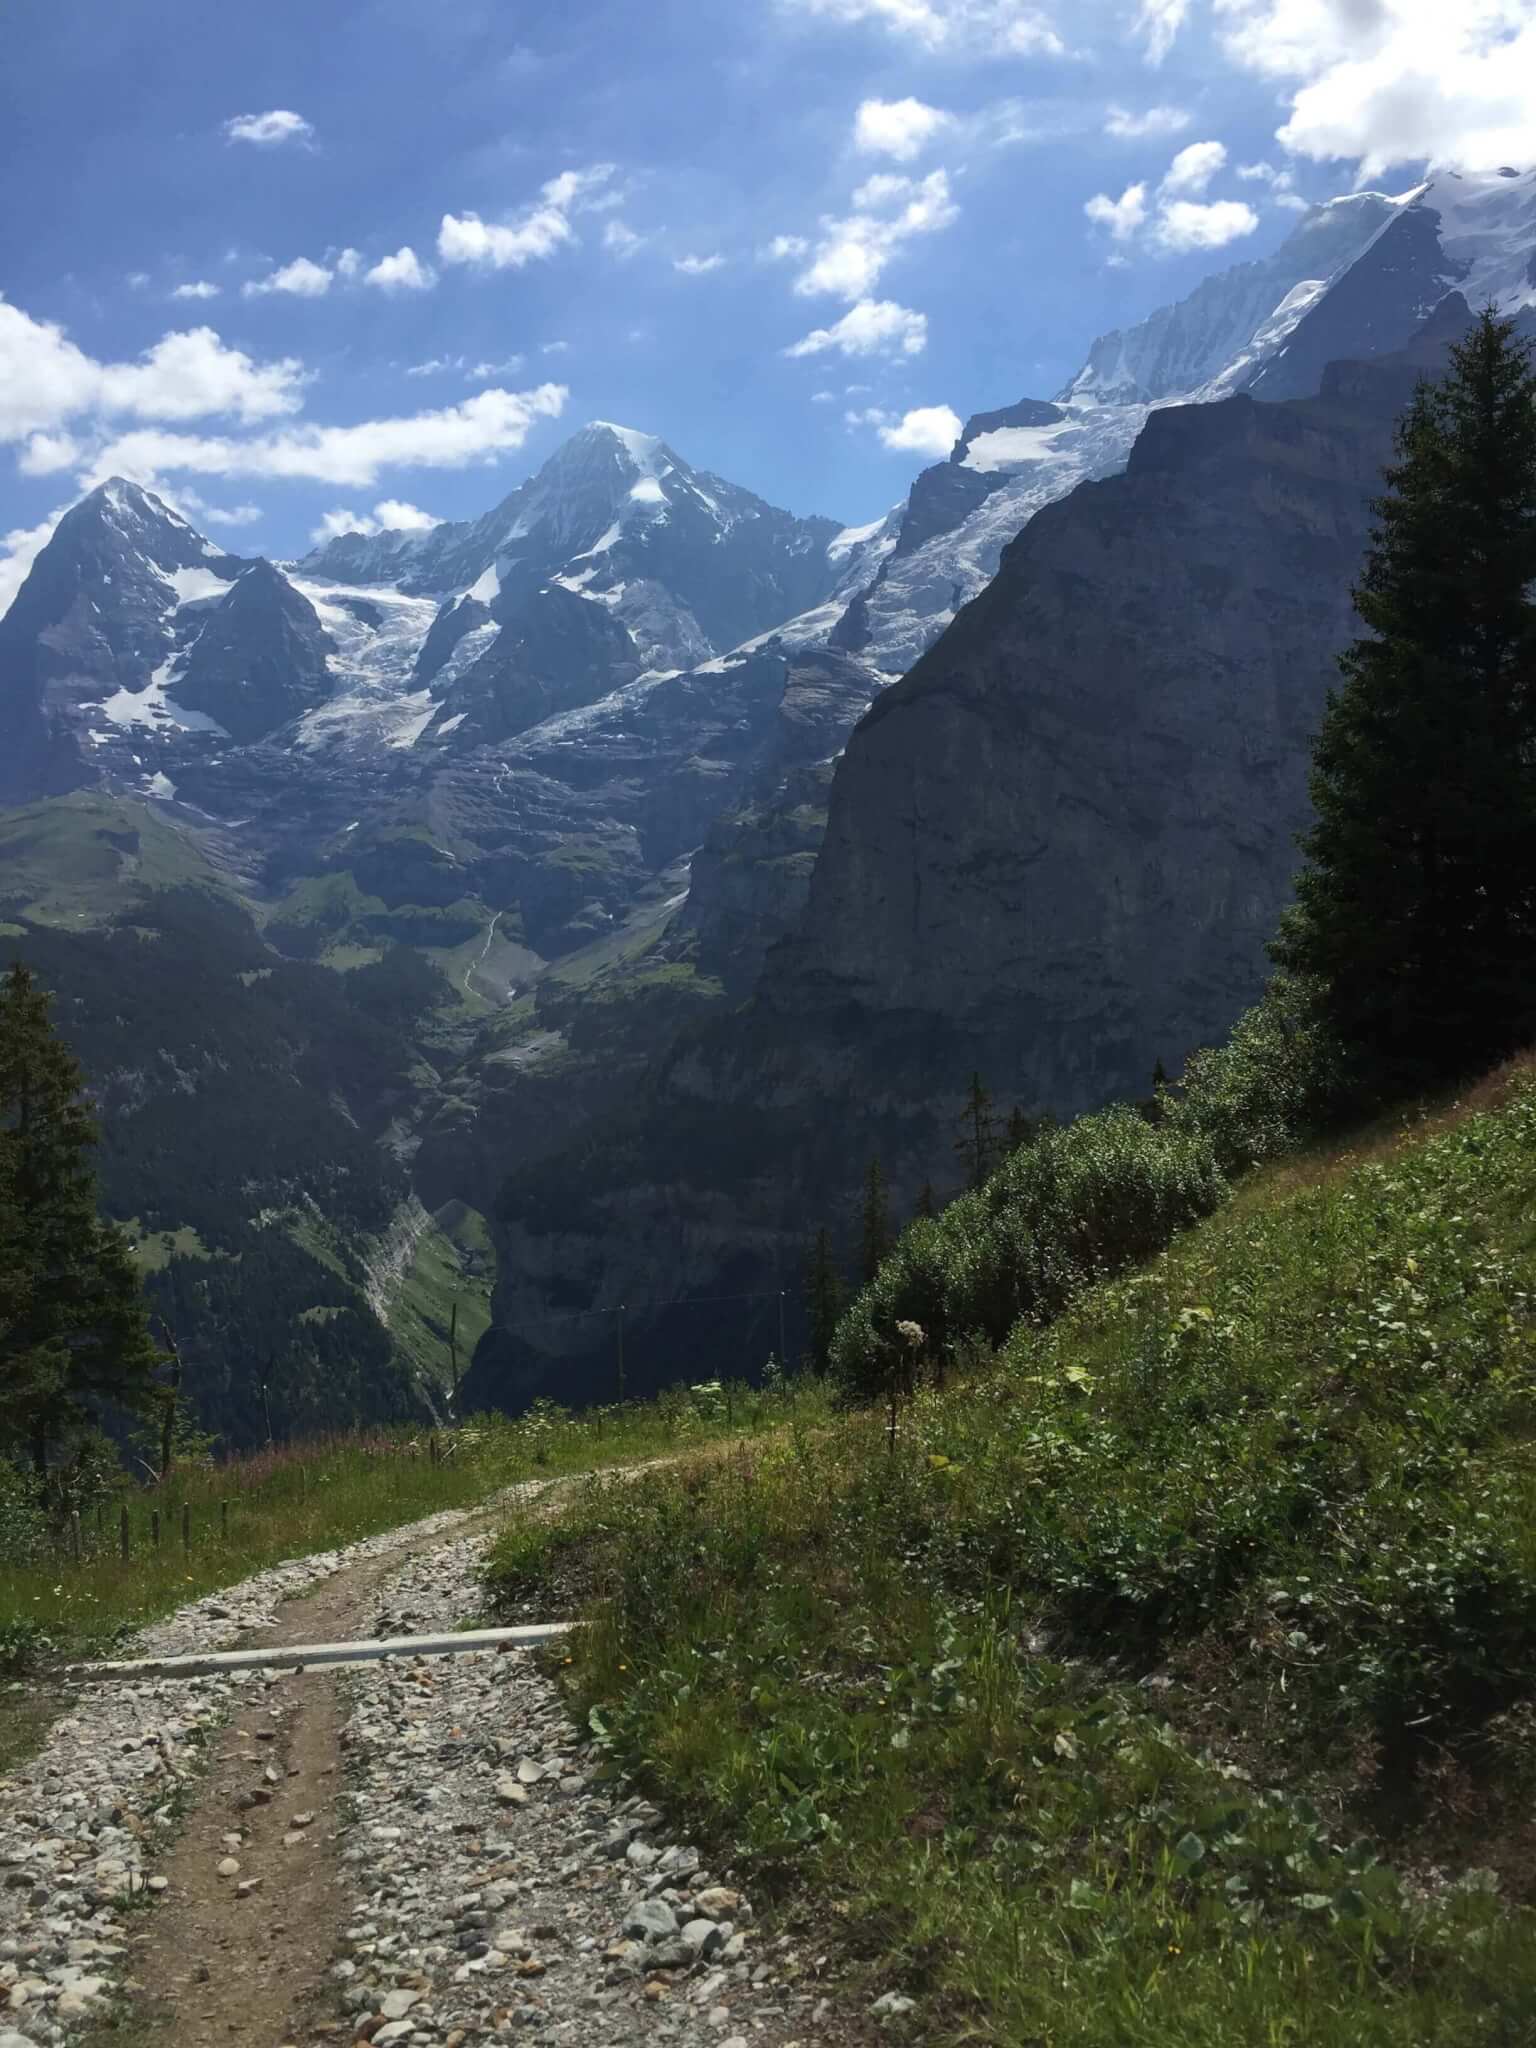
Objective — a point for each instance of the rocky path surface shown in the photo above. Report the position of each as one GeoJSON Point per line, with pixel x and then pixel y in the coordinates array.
{"type": "Point", "coordinates": [415, 1852]}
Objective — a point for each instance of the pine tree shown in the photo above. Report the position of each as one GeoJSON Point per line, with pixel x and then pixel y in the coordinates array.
{"type": "Point", "coordinates": [1416, 908]}
{"type": "Point", "coordinates": [73, 1330]}
{"type": "Point", "coordinates": [926, 1205]}
{"type": "Point", "coordinates": [977, 1145]}
{"type": "Point", "coordinates": [823, 1301]}
{"type": "Point", "coordinates": [1021, 1129]}
{"type": "Point", "coordinates": [875, 1227]}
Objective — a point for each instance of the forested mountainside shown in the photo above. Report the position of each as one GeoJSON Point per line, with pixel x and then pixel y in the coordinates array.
{"type": "Point", "coordinates": [578, 757]}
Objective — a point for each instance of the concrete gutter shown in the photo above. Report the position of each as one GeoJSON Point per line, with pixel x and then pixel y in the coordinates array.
{"type": "Point", "coordinates": [300, 1656]}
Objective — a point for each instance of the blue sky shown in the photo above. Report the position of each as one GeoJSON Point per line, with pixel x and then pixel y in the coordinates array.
{"type": "Point", "coordinates": [291, 261]}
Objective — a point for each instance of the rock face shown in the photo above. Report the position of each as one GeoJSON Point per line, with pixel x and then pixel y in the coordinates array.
{"type": "Point", "coordinates": [1063, 841]}
{"type": "Point", "coordinates": [120, 585]}
{"type": "Point", "coordinates": [260, 660]}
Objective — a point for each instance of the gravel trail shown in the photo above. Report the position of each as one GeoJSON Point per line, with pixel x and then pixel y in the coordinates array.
{"type": "Point", "coordinates": [415, 1852]}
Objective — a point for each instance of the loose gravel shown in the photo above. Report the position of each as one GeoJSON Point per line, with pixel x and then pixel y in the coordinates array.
{"type": "Point", "coordinates": [496, 1886]}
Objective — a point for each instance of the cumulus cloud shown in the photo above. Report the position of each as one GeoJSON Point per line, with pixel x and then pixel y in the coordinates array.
{"type": "Point", "coordinates": [200, 288]}
{"type": "Point", "coordinates": [348, 262]}
{"type": "Point", "coordinates": [1125, 126]}
{"type": "Point", "coordinates": [872, 327]}
{"type": "Point", "coordinates": [1002, 27]}
{"type": "Point", "coordinates": [1185, 224]}
{"type": "Point", "coordinates": [268, 130]}
{"type": "Point", "coordinates": [301, 278]}
{"type": "Point", "coordinates": [1282, 185]}
{"type": "Point", "coordinates": [390, 515]}
{"type": "Point", "coordinates": [1122, 216]}
{"type": "Point", "coordinates": [853, 252]}
{"type": "Point", "coordinates": [926, 430]}
{"type": "Point", "coordinates": [483, 426]}
{"type": "Point", "coordinates": [46, 454]}
{"type": "Point", "coordinates": [898, 128]}
{"type": "Point", "coordinates": [1159, 22]}
{"type": "Point", "coordinates": [785, 249]}
{"type": "Point", "coordinates": [1193, 168]}
{"type": "Point", "coordinates": [621, 240]}
{"type": "Point", "coordinates": [191, 506]}
{"type": "Point", "coordinates": [435, 366]}
{"type": "Point", "coordinates": [19, 549]}
{"type": "Point", "coordinates": [45, 380]}
{"type": "Point", "coordinates": [823, 398]}
{"type": "Point", "coordinates": [698, 266]}
{"type": "Point", "coordinates": [529, 237]}
{"type": "Point", "coordinates": [402, 272]}
{"type": "Point", "coordinates": [1395, 81]}
{"type": "Point", "coordinates": [507, 367]}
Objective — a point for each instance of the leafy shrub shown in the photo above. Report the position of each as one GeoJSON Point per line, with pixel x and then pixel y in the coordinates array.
{"type": "Point", "coordinates": [23, 1525]}
{"type": "Point", "coordinates": [1277, 1081]}
{"type": "Point", "coordinates": [1075, 1206]}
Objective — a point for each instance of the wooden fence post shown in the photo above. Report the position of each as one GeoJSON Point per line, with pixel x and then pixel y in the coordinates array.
{"type": "Point", "coordinates": [223, 1521]}
{"type": "Point", "coordinates": [122, 1533]}
{"type": "Point", "coordinates": [154, 1527]}
{"type": "Point", "coordinates": [186, 1528]}
{"type": "Point", "coordinates": [74, 1535]}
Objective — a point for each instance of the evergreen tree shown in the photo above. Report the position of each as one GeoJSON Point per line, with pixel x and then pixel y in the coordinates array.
{"type": "Point", "coordinates": [976, 1146]}
{"type": "Point", "coordinates": [1416, 907]}
{"type": "Point", "coordinates": [823, 1301]}
{"type": "Point", "coordinates": [1021, 1129]}
{"type": "Point", "coordinates": [926, 1205]}
{"type": "Point", "coordinates": [72, 1319]}
{"type": "Point", "coordinates": [875, 1231]}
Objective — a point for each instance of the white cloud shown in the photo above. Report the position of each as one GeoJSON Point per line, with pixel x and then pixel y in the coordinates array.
{"type": "Point", "coordinates": [301, 278]}
{"type": "Point", "coordinates": [267, 130]}
{"type": "Point", "coordinates": [786, 248]}
{"type": "Point", "coordinates": [1122, 216]}
{"type": "Point", "coordinates": [1184, 224]}
{"type": "Point", "coordinates": [402, 272]}
{"type": "Point", "coordinates": [823, 398]}
{"type": "Point", "coordinates": [853, 252]}
{"type": "Point", "coordinates": [481, 427]}
{"type": "Point", "coordinates": [698, 266]}
{"type": "Point", "coordinates": [334, 524]}
{"type": "Point", "coordinates": [898, 128]}
{"type": "Point", "coordinates": [554, 348]}
{"type": "Point", "coordinates": [199, 289]}
{"type": "Point", "coordinates": [1152, 121]}
{"type": "Point", "coordinates": [926, 430]}
{"type": "Point", "coordinates": [19, 549]}
{"type": "Point", "coordinates": [507, 367]}
{"type": "Point", "coordinates": [1282, 185]}
{"type": "Point", "coordinates": [434, 366]}
{"type": "Point", "coordinates": [396, 515]}
{"type": "Point", "coordinates": [872, 327]}
{"type": "Point", "coordinates": [537, 232]}
{"type": "Point", "coordinates": [46, 454]}
{"type": "Point", "coordinates": [45, 380]}
{"type": "Point", "coordinates": [1193, 168]}
{"type": "Point", "coordinates": [621, 240]}
{"type": "Point", "coordinates": [137, 280]}
{"type": "Point", "coordinates": [1159, 21]}
{"type": "Point", "coordinates": [348, 262]}
{"type": "Point", "coordinates": [1396, 81]}
{"type": "Point", "coordinates": [191, 506]}
{"type": "Point", "coordinates": [390, 515]}
{"type": "Point", "coordinates": [1004, 27]}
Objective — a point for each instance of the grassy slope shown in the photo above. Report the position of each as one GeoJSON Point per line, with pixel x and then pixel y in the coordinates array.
{"type": "Point", "coordinates": [1169, 1681]}
{"type": "Point", "coordinates": [300, 1498]}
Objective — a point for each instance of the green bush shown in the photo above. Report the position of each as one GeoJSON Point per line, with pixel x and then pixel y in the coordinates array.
{"type": "Point", "coordinates": [1075, 1206]}
{"type": "Point", "coordinates": [1277, 1081]}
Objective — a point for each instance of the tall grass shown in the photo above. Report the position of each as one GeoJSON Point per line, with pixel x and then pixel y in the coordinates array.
{"type": "Point", "coordinates": [1170, 1679]}
{"type": "Point", "coordinates": [294, 1499]}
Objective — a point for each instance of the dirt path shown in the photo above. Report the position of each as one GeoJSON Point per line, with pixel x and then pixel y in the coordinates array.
{"type": "Point", "coordinates": [241, 1958]}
